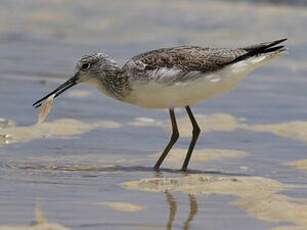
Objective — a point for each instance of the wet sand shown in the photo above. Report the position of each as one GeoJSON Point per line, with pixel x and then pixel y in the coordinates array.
{"type": "Point", "coordinates": [40, 224]}
{"type": "Point", "coordinates": [221, 122]}
{"type": "Point", "coordinates": [63, 128]}
{"type": "Point", "coordinates": [300, 164]}
{"type": "Point", "coordinates": [258, 196]}
{"type": "Point", "coordinates": [90, 164]}
{"type": "Point", "coordinates": [123, 206]}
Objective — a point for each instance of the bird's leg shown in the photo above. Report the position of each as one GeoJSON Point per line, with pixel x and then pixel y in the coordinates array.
{"type": "Point", "coordinates": [174, 138]}
{"type": "Point", "coordinates": [195, 134]}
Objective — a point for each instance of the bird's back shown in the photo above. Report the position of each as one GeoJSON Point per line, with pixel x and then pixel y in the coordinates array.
{"type": "Point", "coordinates": [188, 58]}
{"type": "Point", "coordinates": [195, 58]}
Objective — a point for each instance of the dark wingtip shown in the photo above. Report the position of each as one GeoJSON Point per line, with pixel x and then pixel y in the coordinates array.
{"type": "Point", "coordinates": [281, 40]}
{"type": "Point", "coordinates": [274, 43]}
{"type": "Point", "coordinates": [266, 47]}
{"type": "Point", "coordinates": [273, 49]}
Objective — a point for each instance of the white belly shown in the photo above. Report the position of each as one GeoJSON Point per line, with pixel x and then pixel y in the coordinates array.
{"type": "Point", "coordinates": [155, 94]}
{"type": "Point", "coordinates": [180, 94]}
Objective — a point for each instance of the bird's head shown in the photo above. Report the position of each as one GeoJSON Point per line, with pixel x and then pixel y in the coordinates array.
{"type": "Point", "coordinates": [89, 69]}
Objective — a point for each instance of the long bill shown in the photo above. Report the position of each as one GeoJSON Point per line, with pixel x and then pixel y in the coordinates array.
{"type": "Point", "coordinates": [65, 86]}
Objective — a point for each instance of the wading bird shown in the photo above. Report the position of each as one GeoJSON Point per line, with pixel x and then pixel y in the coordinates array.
{"type": "Point", "coordinates": [171, 78]}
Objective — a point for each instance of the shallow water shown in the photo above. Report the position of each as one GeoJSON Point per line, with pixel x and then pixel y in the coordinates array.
{"type": "Point", "coordinates": [76, 168]}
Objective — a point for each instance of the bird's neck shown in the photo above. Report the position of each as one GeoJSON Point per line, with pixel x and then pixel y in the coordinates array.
{"type": "Point", "coordinates": [114, 83]}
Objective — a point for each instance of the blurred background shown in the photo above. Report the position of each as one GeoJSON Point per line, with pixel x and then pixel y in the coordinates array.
{"type": "Point", "coordinates": [43, 40]}
{"type": "Point", "coordinates": [40, 42]}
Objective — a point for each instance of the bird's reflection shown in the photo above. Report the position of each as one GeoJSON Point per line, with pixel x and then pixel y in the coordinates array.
{"type": "Point", "coordinates": [172, 204]}
{"type": "Point", "coordinates": [193, 211]}
{"type": "Point", "coordinates": [172, 210]}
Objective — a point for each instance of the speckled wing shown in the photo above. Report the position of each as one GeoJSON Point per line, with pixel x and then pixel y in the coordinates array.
{"type": "Point", "coordinates": [188, 58]}
{"type": "Point", "coordinates": [182, 60]}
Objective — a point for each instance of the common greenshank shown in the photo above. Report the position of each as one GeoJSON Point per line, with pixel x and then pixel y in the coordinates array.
{"type": "Point", "coordinates": [171, 78]}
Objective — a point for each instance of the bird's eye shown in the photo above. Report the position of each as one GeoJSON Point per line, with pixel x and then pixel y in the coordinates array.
{"type": "Point", "coordinates": [85, 66]}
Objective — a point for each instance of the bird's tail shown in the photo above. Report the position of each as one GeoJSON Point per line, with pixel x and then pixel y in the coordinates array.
{"type": "Point", "coordinates": [257, 55]}
{"type": "Point", "coordinates": [268, 49]}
